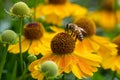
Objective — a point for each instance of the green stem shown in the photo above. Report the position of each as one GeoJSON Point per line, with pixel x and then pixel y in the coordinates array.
{"type": "Point", "coordinates": [114, 75]}
{"type": "Point", "coordinates": [3, 60]}
{"type": "Point", "coordinates": [20, 43]}
{"type": "Point", "coordinates": [14, 72]}
{"type": "Point", "coordinates": [24, 75]}
{"type": "Point", "coordinates": [35, 2]}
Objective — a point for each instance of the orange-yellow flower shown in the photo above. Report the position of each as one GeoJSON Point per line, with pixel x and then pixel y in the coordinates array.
{"type": "Point", "coordinates": [106, 20]}
{"type": "Point", "coordinates": [55, 11]}
{"type": "Point", "coordinates": [97, 44]}
{"type": "Point", "coordinates": [35, 40]}
{"type": "Point", "coordinates": [64, 52]}
{"type": "Point", "coordinates": [107, 17]}
{"type": "Point", "coordinates": [113, 62]}
{"type": "Point", "coordinates": [92, 42]}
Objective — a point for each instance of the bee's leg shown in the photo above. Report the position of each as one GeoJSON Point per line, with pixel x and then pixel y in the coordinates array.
{"type": "Point", "coordinates": [72, 33]}
{"type": "Point", "coordinates": [66, 30]}
{"type": "Point", "coordinates": [76, 37]}
{"type": "Point", "coordinates": [80, 36]}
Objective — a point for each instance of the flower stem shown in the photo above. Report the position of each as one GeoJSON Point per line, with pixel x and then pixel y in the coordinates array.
{"type": "Point", "coordinates": [114, 75]}
{"type": "Point", "coordinates": [14, 72]}
{"type": "Point", "coordinates": [35, 2]}
{"type": "Point", "coordinates": [20, 45]}
{"type": "Point", "coordinates": [3, 60]}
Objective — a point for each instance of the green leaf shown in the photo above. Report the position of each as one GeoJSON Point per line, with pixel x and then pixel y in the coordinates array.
{"type": "Point", "coordinates": [98, 76]}
{"type": "Point", "coordinates": [69, 76]}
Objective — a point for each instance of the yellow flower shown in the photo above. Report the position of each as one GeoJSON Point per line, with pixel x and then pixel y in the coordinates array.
{"type": "Point", "coordinates": [106, 18]}
{"type": "Point", "coordinates": [113, 62]}
{"type": "Point", "coordinates": [77, 11]}
{"type": "Point", "coordinates": [66, 55]}
{"type": "Point", "coordinates": [97, 45]}
{"type": "Point", "coordinates": [35, 40]}
{"type": "Point", "coordinates": [93, 43]}
{"type": "Point", "coordinates": [55, 11]}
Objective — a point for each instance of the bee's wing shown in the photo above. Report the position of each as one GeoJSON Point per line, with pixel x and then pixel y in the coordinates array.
{"type": "Point", "coordinates": [82, 30]}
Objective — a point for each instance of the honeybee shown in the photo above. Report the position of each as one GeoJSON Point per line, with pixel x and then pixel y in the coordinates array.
{"type": "Point", "coordinates": [74, 30]}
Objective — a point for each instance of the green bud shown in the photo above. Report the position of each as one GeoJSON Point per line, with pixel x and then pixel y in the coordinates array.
{"type": "Point", "coordinates": [31, 58]}
{"type": "Point", "coordinates": [49, 68]}
{"type": "Point", "coordinates": [9, 36]}
{"type": "Point", "coordinates": [20, 9]}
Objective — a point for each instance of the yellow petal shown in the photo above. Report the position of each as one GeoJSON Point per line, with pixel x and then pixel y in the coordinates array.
{"type": "Point", "coordinates": [92, 63]}
{"type": "Point", "coordinates": [90, 56]}
{"type": "Point", "coordinates": [69, 60]}
{"type": "Point", "coordinates": [35, 74]}
{"type": "Point", "coordinates": [86, 46]}
{"type": "Point", "coordinates": [109, 63]}
{"type": "Point", "coordinates": [32, 65]}
{"type": "Point", "coordinates": [15, 48]}
{"type": "Point", "coordinates": [117, 63]}
{"type": "Point", "coordinates": [85, 68]}
{"type": "Point", "coordinates": [56, 29]}
{"type": "Point", "coordinates": [33, 46]}
{"type": "Point", "coordinates": [106, 46]}
{"type": "Point", "coordinates": [77, 72]}
{"type": "Point", "coordinates": [40, 77]}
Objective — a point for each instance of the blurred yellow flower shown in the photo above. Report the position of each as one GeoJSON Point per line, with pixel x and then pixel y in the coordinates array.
{"type": "Point", "coordinates": [92, 42]}
{"type": "Point", "coordinates": [106, 20]}
{"type": "Point", "coordinates": [55, 11]}
{"type": "Point", "coordinates": [113, 62]}
{"type": "Point", "coordinates": [65, 54]}
{"type": "Point", "coordinates": [35, 40]}
{"type": "Point", "coordinates": [107, 17]}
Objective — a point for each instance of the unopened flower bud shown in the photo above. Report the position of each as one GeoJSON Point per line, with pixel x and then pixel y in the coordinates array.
{"type": "Point", "coordinates": [9, 36]}
{"type": "Point", "coordinates": [20, 9]}
{"type": "Point", "coordinates": [31, 58]}
{"type": "Point", "coordinates": [49, 68]}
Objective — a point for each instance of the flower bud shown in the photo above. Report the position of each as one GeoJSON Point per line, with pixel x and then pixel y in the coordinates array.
{"type": "Point", "coordinates": [20, 9]}
{"type": "Point", "coordinates": [31, 58]}
{"type": "Point", "coordinates": [9, 36]}
{"type": "Point", "coordinates": [49, 68]}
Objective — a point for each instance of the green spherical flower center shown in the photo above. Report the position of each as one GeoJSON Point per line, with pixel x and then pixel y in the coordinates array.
{"type": "Point", "coordinates": [49, 69]}
{"type": "Point", "coordinates": [20, 9]}
{"type": "Point", "coordinates": [33, 31]}
{"type": "Point", "coordinates": [62, 44]}
{"type": "Point", "coordinates": [9, 36]}
{"type": "Point", "coordinates": [31, 57]}
{"type": "Point", "coordinates": [56, 2]}
{"type": "Point", "coordinates": [88, 26]}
